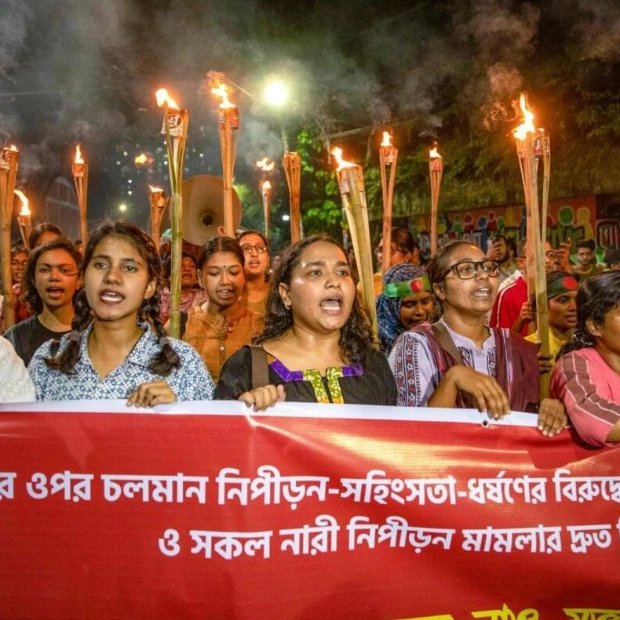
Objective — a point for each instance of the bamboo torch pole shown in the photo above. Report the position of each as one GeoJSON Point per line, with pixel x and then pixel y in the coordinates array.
{"type": "Point", "coordinates": [266, 193]}
{"type": "Point", "coordinates": [158, 206]}
{"type": "Point", "coordinates": [80, 179]}
{"type": "Point", "coordinates": [8, 175]}
{"type": "Point", "coordinates": [388, 158]}
{"type": "Point", "coordinates": [175, 126]}
{"type": "Point", "coordinates": [229, 122]}
{"type": "Point", "coordinates": [351, 185]}
{"type": "Point", "coordinates": [525, 136]}
{"type": "Point", "coordinates": [265, 187]}
{"type": "Point", "coordinates": [435, 169]}
{"type": "Point", "coordinates": [291, 162]}
{"type": "Point", "coordinates": [543, 151]}
{"type": "Point", "coordinates": [24, 218]}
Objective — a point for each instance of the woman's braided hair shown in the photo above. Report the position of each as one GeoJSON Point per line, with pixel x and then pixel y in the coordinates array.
{"type": "Point", "coordinates": [167, 359]}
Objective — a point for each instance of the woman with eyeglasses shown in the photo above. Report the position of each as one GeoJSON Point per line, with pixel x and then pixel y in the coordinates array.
{"type": "Point", "coordinates": [256, 250]}
{"type": "Point", "coordinates": [460, 362]}
{"type": "Point", "coordinates": [221, 325]}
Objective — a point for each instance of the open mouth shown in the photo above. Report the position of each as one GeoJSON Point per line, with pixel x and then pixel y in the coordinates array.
{"type": "Point", "coordinates": [332, 304]}
{"type": "Point", "coordinates": [111, 296]}
{"type": "Point", "coordinates": [482, 293]}
{"type": "Point", "coordinates": [55, 291]}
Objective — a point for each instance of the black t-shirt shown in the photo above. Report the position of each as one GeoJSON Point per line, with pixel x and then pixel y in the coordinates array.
{"type": "Point", "coordinates": [372, 384]}
{"type": "Point", "coordinates": [27, 336]}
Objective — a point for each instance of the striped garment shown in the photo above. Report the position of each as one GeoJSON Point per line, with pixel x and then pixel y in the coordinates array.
{"type": "Point", "coordinates": [590, 391]}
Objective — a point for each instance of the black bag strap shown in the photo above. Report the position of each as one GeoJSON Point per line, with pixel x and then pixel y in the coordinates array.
{"type": "Point", "coordinates": [445, 341]}
{"type": "Point", "coordinates": [260, 367]}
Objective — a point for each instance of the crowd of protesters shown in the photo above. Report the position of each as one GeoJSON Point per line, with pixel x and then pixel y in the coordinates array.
{"type": "Point", "coordinates": [457, 332]}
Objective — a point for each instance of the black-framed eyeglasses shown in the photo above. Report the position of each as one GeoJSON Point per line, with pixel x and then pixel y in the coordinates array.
{"type": "Point", "coordinates": [468, 269]}
{"type": "Point", "coordinates": [258, 248]}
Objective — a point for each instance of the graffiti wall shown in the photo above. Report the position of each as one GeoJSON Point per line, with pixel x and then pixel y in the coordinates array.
{"type": "Point", "coordinates": [578, 218]}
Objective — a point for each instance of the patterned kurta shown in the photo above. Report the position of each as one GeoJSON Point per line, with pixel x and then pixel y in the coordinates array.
{"type": "Point", "coordinates": [370, 384]}
{"type": "Point", "coordinates": [415, 367]}
{"type": "Point", "coordinates": [191, 381]}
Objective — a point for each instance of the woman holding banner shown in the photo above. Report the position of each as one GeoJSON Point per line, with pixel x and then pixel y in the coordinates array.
{"type": "Point", "coordinates": [459, 361]}
{"type": "Point", "coordinates": [586, 377]}
{"type": "Point", "coordinates": [317, 341]}
{"type": "Point", "coordinates": [118, 348]}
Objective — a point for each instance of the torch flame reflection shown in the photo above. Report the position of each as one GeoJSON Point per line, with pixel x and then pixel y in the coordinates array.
{"type": "Point", "coordinates": [78, 155]}
{"type": "Point", "coordinates": [527, 126]}
{"type": "Point", "coordinates": [25, 211]}
{"type": "Point", "coordinates": [387, 139]}
{"type": "Point", "coordinates": [266, 185]}
{"type": "Point", "coordinates": [337, 153]}
{"type": "Point", "coordinates": [141, 159]}
{"type": "Point", "coordinates": [164, 100]}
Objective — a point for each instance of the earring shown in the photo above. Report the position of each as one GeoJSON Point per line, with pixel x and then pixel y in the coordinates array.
{"type": "Point", "coordinates": [287, 305]}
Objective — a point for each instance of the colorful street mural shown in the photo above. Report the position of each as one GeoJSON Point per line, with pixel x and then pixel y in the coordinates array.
{"type": "Point", "coordinates": [574, 219]}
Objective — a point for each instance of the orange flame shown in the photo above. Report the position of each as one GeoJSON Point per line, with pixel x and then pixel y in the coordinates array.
{"type": "Point", "coordinates": [337, 153]}
{"type": "Point", "coordinates": [78, 155]}
{"type": "Point", "coordinates": [25, 211]}
{"type": "Point", "coordinates": [387, 139]}
{"type": "Point", "coordinates": [141, 159]}
{"type": "Point", "coordinates": [164, 100]}
{"type": "Point", "coordinates": [264, 165]}
{"type": "Point", "coordinates": [266, 185]}
{"type": "Point", "coordinates": [156, 190]}
{"type": "Point", "coordinates": [433, 154]}
{"type": "Point", "coordinates": [222, 92]}
{"type": "Point", "coordinates": [527, 126]}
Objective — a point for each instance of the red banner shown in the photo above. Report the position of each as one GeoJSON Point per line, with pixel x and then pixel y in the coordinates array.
{"type": "Point", "coordinates": [379, 513]}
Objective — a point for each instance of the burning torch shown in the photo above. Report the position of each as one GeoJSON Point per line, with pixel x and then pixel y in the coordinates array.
{"type": "Point", "coordinates": [532, 145]}
{"type": "Point", "coordinates": [388, 157]}
{"type": "Point", "coordinates": [435, 169]}
{"type": "Point", "coordinates": [351, 185]}
{"type": "Point", "coordinates": [24, 218]}
{"type": "Point", "coordinates": [265, 187]}
{"type": "Point", "coordinates": [80, 179]}
{"type": "Point", "coordinates": [291, 162]}
{"type": "Point", "coordinates": [228, 125]}
{"type": "Point", "coordinates": [9, 159]}
{"type": "Point", "coordinates": [175, 126]}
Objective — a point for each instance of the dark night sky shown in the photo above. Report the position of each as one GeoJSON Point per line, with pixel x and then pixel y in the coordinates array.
{"type": "Point", "coordinates": [86, 70]}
